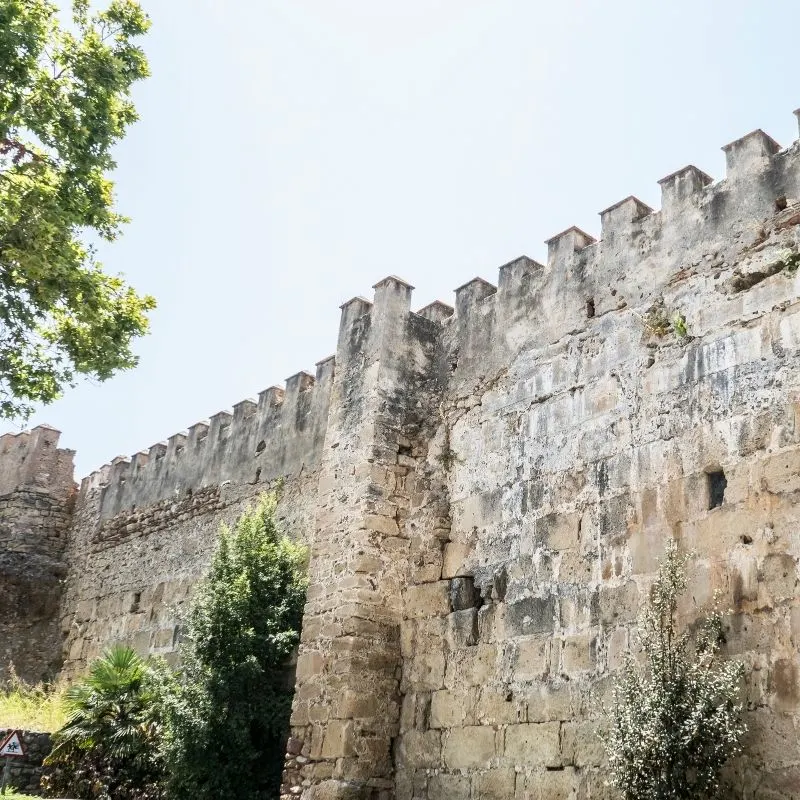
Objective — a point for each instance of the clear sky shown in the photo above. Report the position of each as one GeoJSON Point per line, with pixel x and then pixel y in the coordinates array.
{"type": "Point", "coordinates": [291, 153]}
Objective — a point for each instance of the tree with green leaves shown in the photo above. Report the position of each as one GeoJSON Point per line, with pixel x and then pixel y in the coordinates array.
{"type": "Point", "coordinates": [677, 716]}
{"type": "Point", "coordinates": [65, 100]}
{"type": "Point", "coordinates": [227, 728]}
{"type": "Point", "coordinates": [110, 746]}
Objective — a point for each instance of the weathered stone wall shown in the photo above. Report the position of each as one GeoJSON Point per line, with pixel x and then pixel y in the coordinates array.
{"type": "Point", "coordinates": [36, 489]}
{"type": "Point", "coordinates": [486, 491]}
{"type": "Point", "coordinates": [144, 529]}
{"type": "Point", "coordinates": [577, 442]}
{"type": "Point", "coordinates": [25, 773]}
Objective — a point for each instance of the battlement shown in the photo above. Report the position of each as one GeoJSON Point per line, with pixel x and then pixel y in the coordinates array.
{"type": "Point", "coordinates": [259, 440]}
{"type": "Point", "coordinates": [33, 460]}
{"type": "Point", "coordinates": [749, 215]}
{"type": "Point", "coordinates": [638, 255]}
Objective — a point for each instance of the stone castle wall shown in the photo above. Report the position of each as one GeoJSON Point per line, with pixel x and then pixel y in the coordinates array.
{"type": "Point", "coordinates": [36, 493]}
{"type": "Point", "coordinates": [486, 491]}
{"type": "Point", "coordinates": [145, 528]}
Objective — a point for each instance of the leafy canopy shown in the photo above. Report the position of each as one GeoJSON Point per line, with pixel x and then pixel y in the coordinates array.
{"type": "Point", "coordinates": [676, 718]}
{"type": "Point", "coordinates": [109, 747]}
{"type": "Point", "coordinates": [64, 102]}
{"type": "Point", "coordinates": [228, 727]}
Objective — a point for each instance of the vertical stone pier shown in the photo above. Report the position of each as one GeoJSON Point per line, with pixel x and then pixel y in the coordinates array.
{"type": "Point", "coordinates": [346, 707]}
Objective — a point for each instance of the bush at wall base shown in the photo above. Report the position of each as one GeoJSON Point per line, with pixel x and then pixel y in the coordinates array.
{"type": "Point", "coordinates": [227, 727]}
{"type": "Point", "coordinates": [676, 718]}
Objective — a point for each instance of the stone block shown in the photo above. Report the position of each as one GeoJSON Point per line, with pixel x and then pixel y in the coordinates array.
{"type": "Point", "coordinates": [533, 745]}
{"type": "Point", "coordinates": [561, 784]}
{"type": "Point", "coordinates": [163, 639]}
{"type": "Point", "coordinates": [778, 573]}
{"type": "Point", "coordinates": [581, 745]}
{"type": "Point", "coordinates": [578, 654]}
{"type": "Point", "coordinates": [532, 659]}
{"type": "Point", "coordinates": [493, 784]}
{"type": "Point", "coordinates": [472, 747]}
{"type": "Point", "coordinates": [449, 709]}
{"type": "Point", "coordinates": [616, 648]}
{"type": "Point", "coordinates": [420, 749]}
{"type": "Point", "coordinates": [499, 708]}
{"type": "Point", "coordinates": [463, 593]}
{"type": "Point", "coordinates": [473, 666]}
{"type": "Point", "coordinates": [338, 739]}
{"type": "Point", "coordinates": [612, 605]}
{"type": "Point", "coordinates": [558, 531]}
{"type": "Point", "coordinates": [530, 616]}
{"type": "Point", "coordinates": [425, 670]}
{"type": "Point", "coordinates": [462, 629]}
{"type": "Point", "coordinates": [455, 558]}
{"type": "Point", "coordinates": [380, 524]}
{"type": "Point", "coordinates": [350, 704]}
{"type": "Point", "coordinates": [448, 787]}
{"type": "Point", "coordinates": [427, 600]}
{"type": "Point", "coordinates": [550, 702]}
{"type": "Point", "coordinates": [780, 473]}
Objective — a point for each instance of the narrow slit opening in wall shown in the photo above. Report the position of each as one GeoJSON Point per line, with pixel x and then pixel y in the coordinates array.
{"type": "Point", "coordinates": [590, 308]}
{"type": "Point", "coordinates": [137, 599]}
{"type": "Point", "coordinates": [717, 483]}
{"type": "Point", "coordinates": [781, 203]}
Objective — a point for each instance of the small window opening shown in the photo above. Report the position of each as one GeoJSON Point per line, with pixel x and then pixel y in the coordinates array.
{"type": "Point", "coordinates": [590, 308]}
{"type": "Point", "coordinates": [405, 450]}
{"type": "Point", "coordinates": [717, 483]}
{"type": "Point", "coordinates": [781, 203]}
{"type": "Point", "coordinates": [137, 599]}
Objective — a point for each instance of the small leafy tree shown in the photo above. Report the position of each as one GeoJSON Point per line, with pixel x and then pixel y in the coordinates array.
{"type": "Point", "coordinates": [228, 726]}
{"type": "Point", "coordinates": [64, 103]}
{"type": "Point", "coordinates": [676, 718]}
{"type": "Point", "coordinates": [110, 746]}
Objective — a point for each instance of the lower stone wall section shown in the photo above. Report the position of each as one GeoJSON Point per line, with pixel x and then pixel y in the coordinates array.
{"type": "Point", "coordinates": [132, 575]}
{"type": "Point", "coordinates": [26, 772]}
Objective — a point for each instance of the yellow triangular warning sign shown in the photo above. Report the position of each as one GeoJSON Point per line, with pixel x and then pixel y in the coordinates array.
{"type": "Point", "coordinates": [12, 745]}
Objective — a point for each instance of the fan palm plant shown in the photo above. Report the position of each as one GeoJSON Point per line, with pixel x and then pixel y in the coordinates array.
{"type": "Point", "coordinates": [110, 744]}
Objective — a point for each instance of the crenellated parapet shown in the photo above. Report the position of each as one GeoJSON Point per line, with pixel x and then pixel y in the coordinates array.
{"type": "Point", "coordinates": [747, 218]}
{"type": "Point", "coordinates": [639, 252]}
{"type": "Point", "coordinates": [258, 441]}
{"type": "Point", "coordinates": [33, 460]}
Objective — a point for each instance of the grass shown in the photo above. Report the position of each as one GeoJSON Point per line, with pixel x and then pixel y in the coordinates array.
{"type": "Point", "coordinates": [14, 796]}
{"type": "Point", "coordinates": [32, 708]}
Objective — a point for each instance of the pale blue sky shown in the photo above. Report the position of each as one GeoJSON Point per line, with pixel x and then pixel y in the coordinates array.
{"type": "Point", "coordinates": [290, 154]}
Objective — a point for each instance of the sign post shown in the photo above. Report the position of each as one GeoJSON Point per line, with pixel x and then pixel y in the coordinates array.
{"type": "Point", "coordinates": [10, 747]}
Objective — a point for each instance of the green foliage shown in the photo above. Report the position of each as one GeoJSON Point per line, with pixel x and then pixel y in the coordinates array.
{"type": "Point", "coordinates": [676, 718]}
{"type": "Point", "coordinates": [679, 326]}
{"type": "Point", "coordinates": [109, 748]}
{"type": "Point", "coordinates": [789, 262]}
{"type": "Point", "coordinates": [64, 103]}
{"type": "Point", "coordinates": [32, 708]}
{"type": "Point", "coordinates": [227, 727]}
{"type": "Point", "coordinates": [658, 323]}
